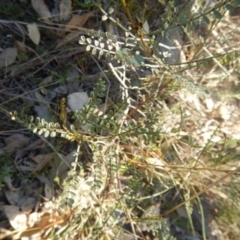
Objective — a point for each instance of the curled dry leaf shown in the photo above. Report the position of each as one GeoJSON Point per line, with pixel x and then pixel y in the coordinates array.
{"type": "Point", "coordinates": [8, 57]}
{"type": "Point", "coordinates": [42, 10]}
{"type": "Point", "coordinates": [33, 33]}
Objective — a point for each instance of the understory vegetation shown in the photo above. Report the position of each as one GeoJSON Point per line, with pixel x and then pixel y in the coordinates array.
{"type": "Point", "coordinates": [119, 119]}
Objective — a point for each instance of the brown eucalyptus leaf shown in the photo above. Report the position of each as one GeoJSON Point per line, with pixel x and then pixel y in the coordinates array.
{"type": "Point", "coordinates": [74, 23]}
{"type": "Point", "coordinates": [21, 46]}
{"type": "Point", "coordinates": [78, 21]}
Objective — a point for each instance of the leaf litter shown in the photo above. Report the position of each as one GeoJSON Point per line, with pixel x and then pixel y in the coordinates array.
{"type": "Point", "coordinates": [7, 57]}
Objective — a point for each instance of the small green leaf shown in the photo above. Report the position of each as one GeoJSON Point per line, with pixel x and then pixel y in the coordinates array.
{"type": "Point", "coordinates": [196, 15]}
{"type": "Point", "coordinates": [104, 17]}
{"type": "Point", "coordinates": [72, 128]}
{"type": "Point", "coordinates": [218, 5]}
{"type": "Point", "coordinates": [43, 121]}
{"type": "Point", "coordinates": [111, 10]}
{"type": "Point", "coordinates": [217, 15]}
{"type": "Point", "coordinates": [183, 18]}
{"type": "Point", "coordinates": [46, 134]}
{"type": "Point", "coordinates": [35, 130]}
{"type": "Point", "coordinates": [53, 134]}
{"type": "Point", "coordinates": [38, 120]}
{"type": "Point", "coordinates": [94, 51]}
{"type": "Point", "coordinates": [194, 25]}
{"type": "Point", "coordinates": [205, 19]}
{"type": "Point", "coordinates": [181, 30]}
{"type": "Point", "coordinates": [229, 7]}
{"type": "Point", "coordinates": [166, 25]}
{"type": "Point", "coordinates": [40, 132]}
{"type": "Point", "coordinates": [57, 125]}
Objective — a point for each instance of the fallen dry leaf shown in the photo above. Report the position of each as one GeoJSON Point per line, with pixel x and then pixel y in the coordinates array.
{"type": "Point", "coordinates": [43, 108]}
{"type": "Point", "coordinates": [13, 197]}
{"type": "Point", "coordinates": [65, 8]}
{"type": "Point", "coordinates": [78, 21]}
{"type": "Point", "coordinates": [48, 220]}
{"type": "Point", "coordinates": [44, 83]}
{"type": "Point", "coordinates": [75, 22]}
{"type": "Point", "coordinates": [34, 33]}
{"type": "Point", "coordinates": [14, 142]}
{"type": "Point", "coordinates": [21, 139]}
{"type": "Point", "coordinates": [17, 218]}
{"type": "Point", "coordinates": [20, 200]}
{"type": "Point", "coordinates": [42, 160]}
{"type": "Point", "coordinates": [62, 170]}
{"type": "Point", "coordinates": [48, 187]}
{"type": "Point", "coordinates": [29, 234]}
{"type": "Point", "coordinates": [8, 182]}
{"type": "Point", "coordinates": [44, 222]}
{"type": "Point", "coordinates": [28, 203]}
{"type": "Point", "coordinates": [42, 10]}
{"type": "Point", "coordinates": [8, 57]}
{"type": "Point", "coordinates": [21, 46]}
{"type": "Point", "coordinates": [39, 143]}
{"type": "Point", "coordinates": [67, 39]}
